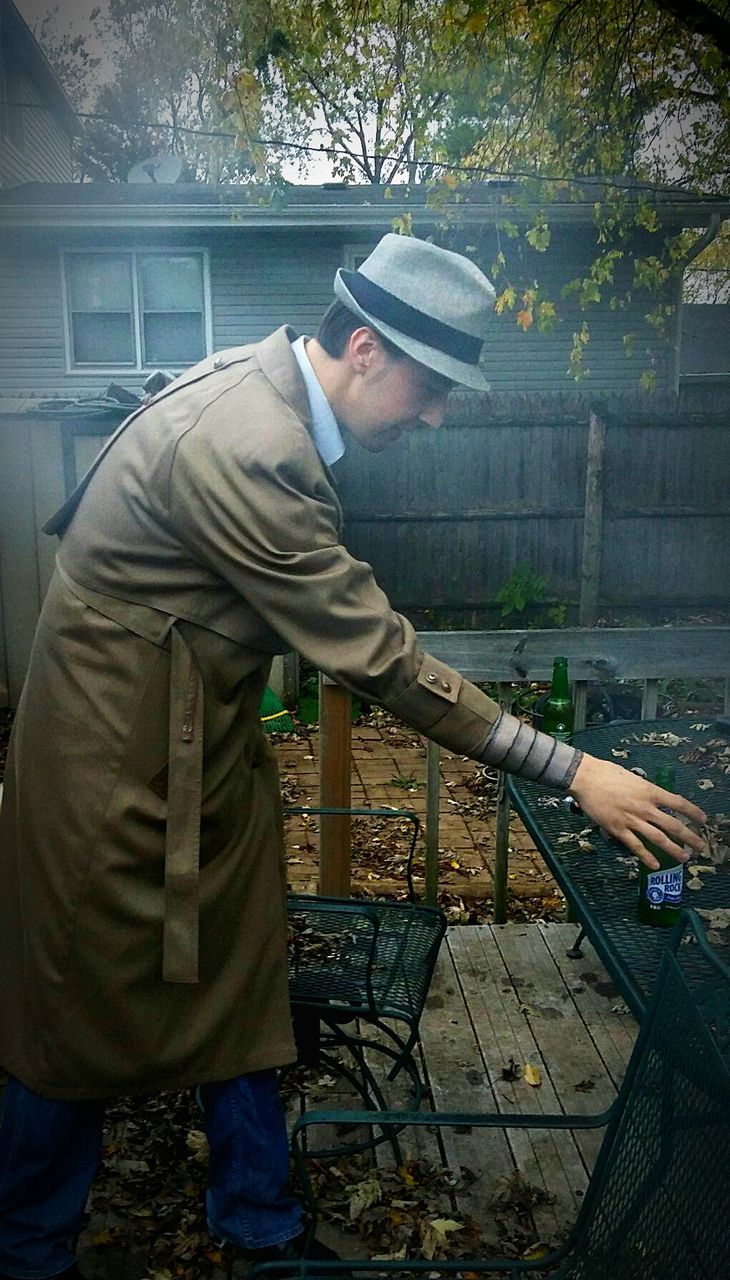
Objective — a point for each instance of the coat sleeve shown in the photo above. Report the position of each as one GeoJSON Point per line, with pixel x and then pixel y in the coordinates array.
{"type": "Point", "coordinates": [260, 513]}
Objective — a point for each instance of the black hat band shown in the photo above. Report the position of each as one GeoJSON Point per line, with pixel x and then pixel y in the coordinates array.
{"type": "Point", "coordinates": [409, 321]}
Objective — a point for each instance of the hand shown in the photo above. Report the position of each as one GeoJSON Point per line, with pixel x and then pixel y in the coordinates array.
{"type": "Point", "coordinates": [627, 806]}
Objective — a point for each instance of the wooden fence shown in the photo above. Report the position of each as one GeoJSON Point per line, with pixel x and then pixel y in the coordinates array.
{"type": "Point", "coordinates": [445, 517]}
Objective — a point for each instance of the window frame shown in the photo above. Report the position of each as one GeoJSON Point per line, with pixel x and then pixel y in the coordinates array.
{"type": "Point", "coordinates": [73, 369]}
{"type": "Point", "coordinates": [355, 253]}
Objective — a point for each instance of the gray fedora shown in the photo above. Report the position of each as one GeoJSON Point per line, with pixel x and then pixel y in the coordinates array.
{"type": "Point", "coordinates": [433, 304]}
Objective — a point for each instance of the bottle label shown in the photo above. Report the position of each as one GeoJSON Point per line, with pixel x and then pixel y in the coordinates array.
{"type": "Point", "coordinates": [664, 888]}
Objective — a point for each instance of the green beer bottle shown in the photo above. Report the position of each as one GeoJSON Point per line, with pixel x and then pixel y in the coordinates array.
{"type": "Point", "coordinates": [660, 892]}
{"type": "Point", "coordinates": [557, 715]}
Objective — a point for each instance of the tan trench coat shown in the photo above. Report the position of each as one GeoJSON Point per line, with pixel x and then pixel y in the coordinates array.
{"type": "Point", "coordinates": [142, 879]}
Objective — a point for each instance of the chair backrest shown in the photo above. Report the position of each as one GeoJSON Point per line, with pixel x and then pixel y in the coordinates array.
{"type": "Point", "coordinates": [658, 1205]}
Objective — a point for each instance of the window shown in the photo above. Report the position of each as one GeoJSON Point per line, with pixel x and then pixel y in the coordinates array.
{"type": "Point", "coordinates": [355, 254]}
{"type": "Point", "coordinates": [135, 310]}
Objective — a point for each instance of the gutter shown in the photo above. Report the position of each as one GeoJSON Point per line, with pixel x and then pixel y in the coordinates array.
{"type": "Point", "coordinates": [232, 216]}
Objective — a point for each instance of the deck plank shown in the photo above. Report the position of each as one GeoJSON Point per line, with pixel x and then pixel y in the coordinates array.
{"type": "Point", "coordinates": [577, 1072]}
{"type": "Point", "coordinates": [608, 1020]}
{"type": "Point", "coordinates": [459, 1081]}
{"type": "Point", "coordinates": [547, 1160]}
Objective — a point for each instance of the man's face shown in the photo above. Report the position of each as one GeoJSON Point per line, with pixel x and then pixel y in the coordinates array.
{"type": "Point", "coordinates": [392, 395]}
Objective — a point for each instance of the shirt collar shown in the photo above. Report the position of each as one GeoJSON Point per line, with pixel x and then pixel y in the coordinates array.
{"type": "Point", "coordinates": [327, 436]}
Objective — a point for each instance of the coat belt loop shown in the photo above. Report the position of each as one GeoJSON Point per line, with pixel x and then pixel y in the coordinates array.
{"type": "Point", "coordinates": [184, 800]}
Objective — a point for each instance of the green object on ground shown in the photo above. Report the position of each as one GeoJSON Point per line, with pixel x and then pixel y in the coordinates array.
{"type": "Point", "coordinates": [274, 716]}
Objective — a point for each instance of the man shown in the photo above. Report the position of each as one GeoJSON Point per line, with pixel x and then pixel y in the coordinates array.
{"type": "Point", "coordinates": [142, 882]}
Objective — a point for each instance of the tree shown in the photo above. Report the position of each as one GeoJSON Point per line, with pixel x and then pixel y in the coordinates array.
{"type": "Point", "coordinates": [167, 64]}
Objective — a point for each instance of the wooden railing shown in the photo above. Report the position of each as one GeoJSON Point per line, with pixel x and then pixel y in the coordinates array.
{"type": "Point", "coordinates": [596, 656]}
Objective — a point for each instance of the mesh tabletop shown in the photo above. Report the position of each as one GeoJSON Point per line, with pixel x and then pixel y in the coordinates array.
{"type": "Point", "coordinates": [603, 883]}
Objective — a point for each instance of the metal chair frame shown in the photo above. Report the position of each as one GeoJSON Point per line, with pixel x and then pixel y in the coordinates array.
{"type": "Point", "coordinates": [380, 968]}
{"type": "Point", "coordinates": [658, 1201]}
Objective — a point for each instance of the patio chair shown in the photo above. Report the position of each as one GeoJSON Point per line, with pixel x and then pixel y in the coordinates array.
{"type": "Point", "coordinates": [658, 1203]}
{"type": "Point", "coordinates": [362, 964]}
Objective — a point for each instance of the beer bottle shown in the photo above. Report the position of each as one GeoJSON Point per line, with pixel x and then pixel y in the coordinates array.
{"type": "Point", "coordinates": [660, 892]}
{"type": "Point", "coordinates": [557, 714]}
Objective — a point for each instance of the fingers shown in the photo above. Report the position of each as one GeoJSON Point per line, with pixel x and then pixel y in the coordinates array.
{"type": "Point", "coordinates": [639, 850]}
{"type": "Point", "coordinates": [681, 805]}
{"type": "Point", "coordinates": [662, 839]}
{"type": "Point", "coordinates": [673, 825]}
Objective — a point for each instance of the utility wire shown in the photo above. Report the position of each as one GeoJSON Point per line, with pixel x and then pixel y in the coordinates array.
{"type": "Point", "coordinates": [628, 184]}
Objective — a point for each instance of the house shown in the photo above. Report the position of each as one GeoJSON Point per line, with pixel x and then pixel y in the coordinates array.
{"type": "Point", "coordinates": [101, 284]}
{"type": "Point", "coordinates": [37, 121]}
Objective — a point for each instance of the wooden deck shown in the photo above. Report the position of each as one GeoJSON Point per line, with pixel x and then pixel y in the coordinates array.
{"type": "Point", "coordinates": [502, 997]}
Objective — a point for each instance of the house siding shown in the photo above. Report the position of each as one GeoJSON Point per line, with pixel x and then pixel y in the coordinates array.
{"type": "Point", "coordinates": [260, 280]}
{"type": "Point", "coordinates": [46, 152]}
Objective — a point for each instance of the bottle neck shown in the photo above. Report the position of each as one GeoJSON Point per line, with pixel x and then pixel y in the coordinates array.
{"type": "Point", "coordinates": [559, 687]}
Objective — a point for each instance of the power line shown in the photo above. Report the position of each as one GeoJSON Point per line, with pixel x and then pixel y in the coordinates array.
{"type": "Point", "coordinates": [628, 184]}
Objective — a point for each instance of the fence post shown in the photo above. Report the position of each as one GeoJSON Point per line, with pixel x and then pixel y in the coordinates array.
{"type": "Point", "coordinates": [501, 842]}
{"type": "Point", "coordinates": [433, 789]}
{"type": "Point", "coordinates": [590, 569]}
{"type": "Point", "coordinates": [335, 768]}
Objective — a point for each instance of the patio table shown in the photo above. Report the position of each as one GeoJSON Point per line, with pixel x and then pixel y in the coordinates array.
{"type": "Point", "coordinates": [601, 883]}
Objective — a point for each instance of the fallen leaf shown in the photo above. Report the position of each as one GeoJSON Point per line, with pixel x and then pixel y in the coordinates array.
{"type": "Point", "coordinates": [364, 1195]}
{"type": "Point", "coordinates": [101, 1238]}
{"type": "Point", "coordinates": [197, 1143]}
{"type": "Point", "coordinates": [532, 1075]}
{"type": "Point", "coordinates": [534, 1252]}
{"type": "Point", "coordinates": [435, 1233]}
{"type": "Point", "coordinates": [705, 784]}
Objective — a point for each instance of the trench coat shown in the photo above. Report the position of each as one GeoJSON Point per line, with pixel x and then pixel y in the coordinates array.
{"type": "Point", "coordinates": [142, 874]}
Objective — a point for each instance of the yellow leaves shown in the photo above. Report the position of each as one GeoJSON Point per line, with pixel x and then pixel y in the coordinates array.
{"type": "Point", "coordinates": [535, 1252]}
{"type": "Point", "coordinates": [532, 1075]}
{"type": "Point", "coordinates": [539, 235]}
{"type": "Point", "coordinates": [547, 316]}
{"type": "Point", "coordinates": [526, 316]}
{"type": "Point", "coordinates": [450, 180]}
{"type": "Point", "coordinates": [403, 225]}
{"type": "Point", "coordinates": [647, 381]}
{"type": "Point", "coordinates": [435, 1233]}
{"type": "Point", "coordinates": [506, 300]}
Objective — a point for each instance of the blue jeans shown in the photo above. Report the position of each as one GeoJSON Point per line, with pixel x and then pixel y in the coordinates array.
{"type": "Point", "coordinates": [49, 1152]}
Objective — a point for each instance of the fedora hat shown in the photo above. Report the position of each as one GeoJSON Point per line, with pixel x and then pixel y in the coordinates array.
{"type": "Point", "coordinates": [430, 303]}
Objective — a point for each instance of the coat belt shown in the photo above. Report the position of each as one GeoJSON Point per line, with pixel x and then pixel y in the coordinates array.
{"type": "Point", "coordinates": [181, 928]}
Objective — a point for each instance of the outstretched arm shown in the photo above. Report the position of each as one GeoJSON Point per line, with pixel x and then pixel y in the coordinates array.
{"type": "Point", "coordinates": [623, 804]}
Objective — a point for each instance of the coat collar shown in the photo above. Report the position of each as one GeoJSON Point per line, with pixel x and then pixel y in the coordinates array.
{"type": "Point", "coordinates": [279, 364]}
